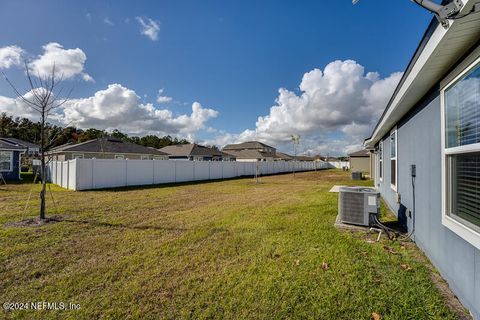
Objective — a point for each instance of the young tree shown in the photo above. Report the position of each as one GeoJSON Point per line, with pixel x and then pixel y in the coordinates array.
{"type": "Point", "coordinates": [44, 97]}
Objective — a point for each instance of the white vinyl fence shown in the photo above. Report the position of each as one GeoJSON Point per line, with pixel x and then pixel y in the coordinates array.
{"type": "Point", "coordinates": [339, 164]}
{"type": "Point", "coordinates": [85, 174]}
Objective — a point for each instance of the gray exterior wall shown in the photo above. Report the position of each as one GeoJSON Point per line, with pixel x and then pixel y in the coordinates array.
{"type": "Point", "coordinates": [418, 142]}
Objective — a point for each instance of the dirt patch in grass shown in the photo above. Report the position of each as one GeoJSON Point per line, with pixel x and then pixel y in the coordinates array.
{"type": "Point", "coordinates": [36, 222]}
{"type": "Point", "coordinates": [451, 299]}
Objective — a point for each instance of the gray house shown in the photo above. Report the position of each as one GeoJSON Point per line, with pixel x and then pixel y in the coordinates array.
{"type": "Point", "coordinates": [281, 156]}
{"type": "Point", "coordinates": [196, 152]}
{"type": "Point", "coordinates": [427, 152]}
{"type": "Point", "coordinates": [10, 159]}
{"type": "Point", "coordinates": [251, 151]}
{"type": "Point", "coordinates": [105, 148]}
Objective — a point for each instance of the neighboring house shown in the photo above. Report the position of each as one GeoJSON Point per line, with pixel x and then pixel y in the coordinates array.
{"type": "Point", "coordinates": [427, 151]}
{"type": "Point", "coordinates": [10, 159]}
{"type": "Point", "coordinates": [251, 151]}
{"type": "Point", "coordinates": [32, 148]}
{"type": "Point", "coordinates": [196, 152]}
{"type": "Point", "coordinates": [280, 156]}
{"type": "Point", "coordinates": [361, 161]}
{"type": "Point", "coordinates": [105, 148]}
{"type": "Point", "coordinates": [339, 163]}
{"type": "Point", "coordinates": [305, 158]}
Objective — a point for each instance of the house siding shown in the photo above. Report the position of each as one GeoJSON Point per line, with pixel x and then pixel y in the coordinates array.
{"type": "Point", "coordinates": [360, 164]}
{"type": "Point", "coordinates": [15, 173]}
{"type": "Point", "coordinates": [419, 143]}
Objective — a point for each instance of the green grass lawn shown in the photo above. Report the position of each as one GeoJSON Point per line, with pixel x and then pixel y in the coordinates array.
{"type": "Point", "coordinates": [220, 250]}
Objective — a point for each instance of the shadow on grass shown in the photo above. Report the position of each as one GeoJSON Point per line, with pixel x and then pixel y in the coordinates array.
{"type": "Point", "coordinates": [123, 226]}
{"type": "Point", "coordinates": [188, 183]}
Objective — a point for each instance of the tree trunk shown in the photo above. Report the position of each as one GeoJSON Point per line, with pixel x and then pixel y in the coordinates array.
{"type": "Point", "coordinates": [43, 176]}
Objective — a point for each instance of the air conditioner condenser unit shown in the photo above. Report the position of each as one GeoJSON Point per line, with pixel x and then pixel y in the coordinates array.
{"type": "Point", "coordinates": [356, 205]}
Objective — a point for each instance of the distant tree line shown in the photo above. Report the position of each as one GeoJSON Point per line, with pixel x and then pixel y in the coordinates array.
{"type": "Point", "coordinates": [25, 129]}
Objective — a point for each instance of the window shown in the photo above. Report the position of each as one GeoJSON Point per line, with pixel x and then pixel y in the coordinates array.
{"type": "Point", "coordinates": [393, 159]}
{"type": "Point", "coordinates": [145, 157]}
{"type": "Point", "coordinates": [6, 161]}
{"type": "Point", "coordinates": [119, 156]}
{"type": "Point", "coordinates": [380, 161]}
{"type": "Point", "coordinates": [157, 158]}
{"type": "Point", "coordinates": [461, 154]}
{"type": "Point", "coordinates": [77, 156]}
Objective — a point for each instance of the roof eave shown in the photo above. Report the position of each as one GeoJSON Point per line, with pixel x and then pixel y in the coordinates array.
{"type": "Point", "coordinates": [419, 77]}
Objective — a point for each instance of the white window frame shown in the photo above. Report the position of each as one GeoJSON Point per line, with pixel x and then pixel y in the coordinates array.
{"type": "Point", "coordinates": [119, 157]}
{"type": "Point", "coordinates": [158, 158]}
{"type": "Point", "coordinates": [77, 156]}
{"type": "Point", "coordinates": [380, 160]}
{"type": "Point", "coordinates": [11, 160]}
{"type": "Point", "coordinates": [145, 157]}
{"type": "Point", "coordinates": [461, 229]}
{"type": "Point", "coordinates": [394, 131]}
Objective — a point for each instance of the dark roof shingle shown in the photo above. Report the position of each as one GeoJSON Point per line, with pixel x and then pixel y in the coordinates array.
{"type": "Point", "coordinates": [20, 142]}
{"type": "Point", "coordinates": [246, 145]}
{"type": "Point", "coordinates": [5, 145]}
{"type": "Point", "coordinates": [107, 145]}
{"type": "Point", "coordinates": [192, 149]}
{"type": "Point", "coordinates": [360, 153]}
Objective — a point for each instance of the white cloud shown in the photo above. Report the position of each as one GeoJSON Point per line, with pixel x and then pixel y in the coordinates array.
{"type": "Point", "coordinates": [162, 98]}
{"type": "Point", "coordinates": [150, 28]}
{"type": "Point", "coordinates": [120, 108]}
{"type": "Point", "coordinates": [68, 62]}
{"type": "Point", "coordinates": [18, 108]}
{"type": "Point", "coordinates": [10, 56]}
{"type": "Point", "coordinates": [107, 20]}
{"type": "Point", "coordinates": [334, 111]}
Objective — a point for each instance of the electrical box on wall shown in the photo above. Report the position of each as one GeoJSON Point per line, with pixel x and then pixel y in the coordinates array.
{"type": "Point", "coordinates": [413, 170]}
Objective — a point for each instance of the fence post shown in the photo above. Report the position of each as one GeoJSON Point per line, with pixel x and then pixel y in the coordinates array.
{"type": "Point", "coordinates": [93, 173]}
{"type": "Point", "coordinates": [153, 171]}
{"type": "Point", "coordinates": [61, 174]}
{"type": "Point", "coordinates": [68, 174]}
{"type": "Point", "coordinates": [193, 169]}
{"type": "Point", "coordinates": [175, 170]}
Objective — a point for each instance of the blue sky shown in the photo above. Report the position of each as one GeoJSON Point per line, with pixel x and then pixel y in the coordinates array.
{"type": "Point", "coordinates": [229, 56]}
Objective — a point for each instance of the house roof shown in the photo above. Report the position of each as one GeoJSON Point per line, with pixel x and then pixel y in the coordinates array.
{"type": "Point", "coordinates": [305, 158]}
{"type": "Point", "coordinates": [5, 145]}
{"type": "Point", "coordinates": [360, 154]}
{"type": "Point", "coordinates": [283, 156]}
{"type": "Point", "coordinates": [246, 145]}
{"type": "Point", "coordinates": [438, 51]}
{"type": "Point", "coordinates": [248, 154]}
{"type": "Point", "coordinates": [107, 145]}
{"type": "Point", "coordinates": [20, 142]}
{"type": "Point", "coordinates": [192, 149]}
